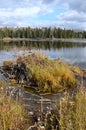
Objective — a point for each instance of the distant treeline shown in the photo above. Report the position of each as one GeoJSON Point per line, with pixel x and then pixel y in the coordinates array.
{"type": "Point", "coordinates": [43, 33]}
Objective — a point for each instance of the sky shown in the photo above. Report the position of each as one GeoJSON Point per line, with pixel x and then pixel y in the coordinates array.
{"type": "Point", "coordinates": [69, 14]}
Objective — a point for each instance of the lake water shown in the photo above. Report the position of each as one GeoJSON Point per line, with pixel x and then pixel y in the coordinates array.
{"type": "Point", "coordinates": [73, 52]}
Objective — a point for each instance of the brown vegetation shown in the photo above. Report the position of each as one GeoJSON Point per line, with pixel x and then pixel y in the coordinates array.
{"type": "Point", "coordinates": [48, 75]}
{"type": "Point", "coordinates": [12, 114]}
{"type": "Point", "coordinates": [72, 111]}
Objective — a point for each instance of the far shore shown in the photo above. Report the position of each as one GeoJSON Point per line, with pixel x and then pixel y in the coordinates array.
{"type": "Point", "coordinates": [8, 39]}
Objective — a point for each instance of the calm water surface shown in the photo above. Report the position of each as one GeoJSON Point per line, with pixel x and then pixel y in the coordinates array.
{"type": "Point", "coordinates": [73, 52]}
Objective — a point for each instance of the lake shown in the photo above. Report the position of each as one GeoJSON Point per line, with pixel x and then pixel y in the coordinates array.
{"type": "Point", "coordinates": [73, 52]}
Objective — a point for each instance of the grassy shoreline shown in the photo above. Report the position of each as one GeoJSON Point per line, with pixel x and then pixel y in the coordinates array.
{"type": "Point", "coordinates": [46, 72]}
{"type": "Point", "coordinates": [48, 75]}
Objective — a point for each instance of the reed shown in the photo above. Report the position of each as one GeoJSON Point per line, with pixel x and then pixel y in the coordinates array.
{"type": "Point", "coordinates": [73, 111]}
{"type": "Point", "coordinates": [12, 114]}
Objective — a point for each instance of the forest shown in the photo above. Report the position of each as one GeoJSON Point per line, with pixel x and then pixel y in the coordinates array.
{"type": "Point", "coordinates": [40, 33]}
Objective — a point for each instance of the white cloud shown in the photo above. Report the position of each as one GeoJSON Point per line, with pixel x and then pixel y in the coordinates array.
{"type": "Point", "coordinates": [72, 16]}
{"type": "Point", "coordinates": [72, 19]}
{"type": "Point", "coordinates": [19, 12]}
{"type": "Point", "coordinates": [78, 5]}
{"type": "Point", "coordinates": [72, 13]}
{"type": "Point", "coordinates": [75, 15]}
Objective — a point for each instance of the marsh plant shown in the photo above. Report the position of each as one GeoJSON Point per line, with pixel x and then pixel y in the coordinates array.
{"type": "Point", "coordinates": [50, 75]}
{"type": "Point", "coordinates": [46, 74]}
{"type": "Point", "coordinates": [12, 114]}
{"type": "Point", "coordinates": [73, 111]}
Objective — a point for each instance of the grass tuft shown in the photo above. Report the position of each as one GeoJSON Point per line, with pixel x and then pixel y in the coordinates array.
{"type": "Point", "coordinates": [73, 111]}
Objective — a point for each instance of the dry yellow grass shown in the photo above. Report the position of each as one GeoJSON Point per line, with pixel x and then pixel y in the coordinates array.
{"type": "Point", "coordinates": [12, 114]}
{"type": "Point", "coordinates": [73, 111]}
{"type": "Point", "coordinates": [50, 75]}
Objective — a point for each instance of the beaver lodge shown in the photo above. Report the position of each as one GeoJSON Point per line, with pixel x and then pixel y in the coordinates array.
{"type": "Point", "coordinates": [41, 73]}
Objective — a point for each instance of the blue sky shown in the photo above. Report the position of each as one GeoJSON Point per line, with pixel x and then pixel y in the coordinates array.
{"type": "Point", "coordinates": [70, 14]}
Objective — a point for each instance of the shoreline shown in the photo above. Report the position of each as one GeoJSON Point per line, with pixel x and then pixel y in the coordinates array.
{"type": "Point", "coordinates": [46, 39]}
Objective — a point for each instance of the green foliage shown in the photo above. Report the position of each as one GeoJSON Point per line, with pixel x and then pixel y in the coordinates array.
{"type": "Point", "coordinates": [40, 33]}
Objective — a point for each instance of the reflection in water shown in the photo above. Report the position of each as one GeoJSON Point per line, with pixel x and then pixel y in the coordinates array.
{"type": "Point", "coordinates": [74, 53]}
{"type": "Point", "coordinates": [44, 45]}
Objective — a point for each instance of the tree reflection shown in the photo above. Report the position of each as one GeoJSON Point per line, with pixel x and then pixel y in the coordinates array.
{"type": "Point", "coordinates": [44, 45]}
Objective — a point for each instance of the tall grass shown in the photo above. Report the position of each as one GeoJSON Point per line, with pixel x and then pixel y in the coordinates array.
{"type": "Point", "coordinates": [47, 74]}
{"type": "Point", "coordinates": [12, 114]}
{"type": "Point", "coordinates": [50, 75]}
{"type": "Point", "coordinates": [73, 111]}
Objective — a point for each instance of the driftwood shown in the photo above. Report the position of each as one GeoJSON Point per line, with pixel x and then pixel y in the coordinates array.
{"type": "Point", "coordinates": [16, 71]}
{"type": "Point", "coordinates": [19, 73]}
